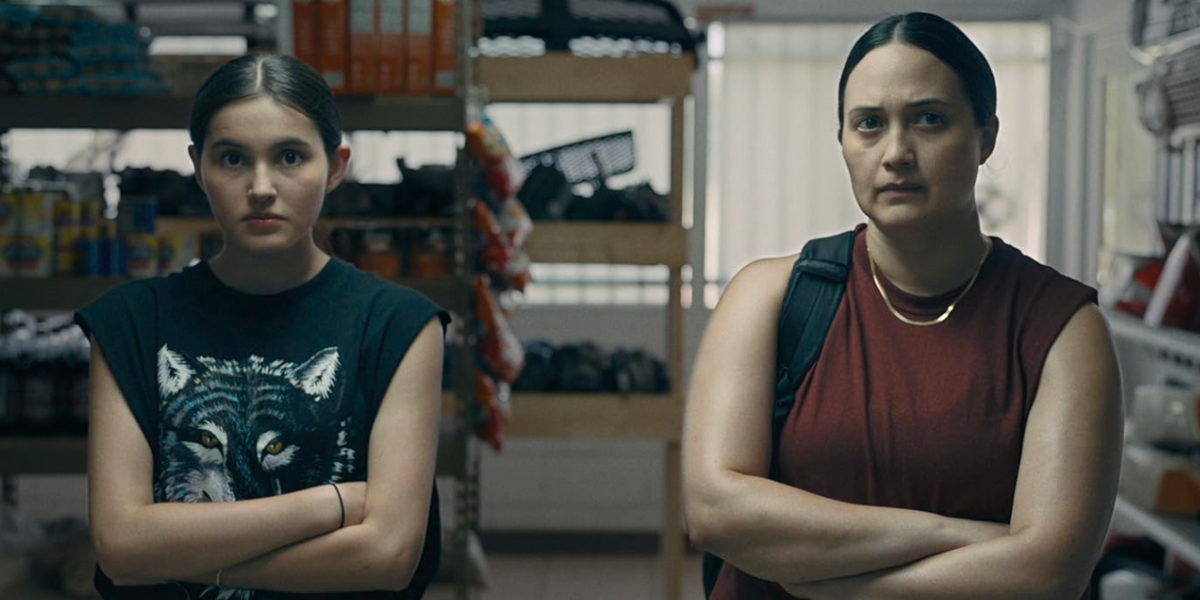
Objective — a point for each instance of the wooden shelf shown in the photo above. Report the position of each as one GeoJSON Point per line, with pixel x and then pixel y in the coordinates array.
{"type": "Point", "coordinates": [1174, 341]}
{"type": "Point", "coordinates": [73, 293]}
{"type": "Point", "coordinates": [596, 416]}
{"type": "Point", "coordinates": [391, 113]}
{"type": "Point", "coordinates": [608, 243]}
{"type": "Point", "coordinates": [562, 77]}
{"type": "Point", "coordinates": [1181, 534]}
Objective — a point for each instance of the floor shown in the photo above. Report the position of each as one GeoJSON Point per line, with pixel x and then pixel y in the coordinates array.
{"type": "Point", "coordinates": [580, 578]}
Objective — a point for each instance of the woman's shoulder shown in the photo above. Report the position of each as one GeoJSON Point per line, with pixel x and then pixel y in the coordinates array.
{"type": "Point", "coordinates": [1029, 274]}
{"type": "Point", "coordinates": [761, 283]}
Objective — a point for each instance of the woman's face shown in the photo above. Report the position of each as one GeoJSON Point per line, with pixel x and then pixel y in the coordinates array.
{"type": "Point", "coordinates": [910, 140]}
{"type": "Point", "coordinates": [266, 173]}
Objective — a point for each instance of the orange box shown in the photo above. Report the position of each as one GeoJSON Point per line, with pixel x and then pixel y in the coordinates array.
{"type": "Point", "coordinates": [444, 48]}
{"type": "Point", "coordinates": [334, 30]}
{"type": "Point", "coordinates": [391, 47]}
{"type": "Point", "coordinates": [364, 47]}
{"type": "Point", "coordinates": [419, 78]}
{"type": "Point", "coordinates": [304, 32]}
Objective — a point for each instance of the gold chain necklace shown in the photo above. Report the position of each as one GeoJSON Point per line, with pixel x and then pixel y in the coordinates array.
{"type": "Point", "coordinates": [949, 309]}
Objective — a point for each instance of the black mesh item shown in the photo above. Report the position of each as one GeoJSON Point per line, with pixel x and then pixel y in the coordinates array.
{"type": "Point", "coordinates": [591, 160]}
{"type": "Point", "coordinates": [583, 27]}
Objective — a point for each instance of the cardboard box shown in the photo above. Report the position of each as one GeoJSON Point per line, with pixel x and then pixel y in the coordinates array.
{"type": "Point", "coordinates": [364, 47]}
{"type": "Point", "coordinates": [392, 51]}
{"type": "Point", "coordinates": [304, 32]}
{"type": "Point", "coordinates": [419, 79]}
{"type": "Point", "coordinates": [445, 47]}
{"type": "Point", "coordinates": [334, 29]}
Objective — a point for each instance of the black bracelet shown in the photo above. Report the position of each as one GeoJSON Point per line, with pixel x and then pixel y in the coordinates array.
{"type": "Point", "coordinates": [341, 504]}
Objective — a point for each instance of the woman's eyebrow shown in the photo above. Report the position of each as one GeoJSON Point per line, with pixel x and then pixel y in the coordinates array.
{"type": "Point", "coordinates": [915, 104]}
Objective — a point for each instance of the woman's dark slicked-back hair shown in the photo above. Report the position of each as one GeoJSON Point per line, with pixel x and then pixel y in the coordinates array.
{"type": "Point", "coordinates": [940, 38]}
{"type": "Point", "coordinates": [281, 78]}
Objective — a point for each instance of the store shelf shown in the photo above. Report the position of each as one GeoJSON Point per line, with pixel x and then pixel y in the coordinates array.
{"type": "Point", "coordinates": [1165, 339]}
{"type": "Point", "coordinates": [1181, 534]}
{"type": "Point", "coordinates": [596, 416]}
{"type": "Point", "coordinates": [563, 77]}
{"type": "Point", "coordinates": [73, 293]}
{"type": "Point", "coordinates": [393, 113]}
{"type": "Point", "coordinates": [194, 226]}
{"type": "Point", "coordinates": [608, 243]}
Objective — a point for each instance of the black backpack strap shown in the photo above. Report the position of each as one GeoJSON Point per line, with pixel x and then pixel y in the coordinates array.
{"type": "Point", "coordinates": [813, 296]}
{"type": "Point", "coordinates": [814, 292]}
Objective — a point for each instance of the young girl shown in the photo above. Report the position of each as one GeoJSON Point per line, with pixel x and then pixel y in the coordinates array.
{"type": "Point", "coordinates": [264, 424]}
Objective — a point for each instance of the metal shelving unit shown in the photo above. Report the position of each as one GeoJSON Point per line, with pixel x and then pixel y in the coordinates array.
{"type": "Point", "coordinates": [458, 453]}
{"type": "Point", "coordinates": [643, 80]}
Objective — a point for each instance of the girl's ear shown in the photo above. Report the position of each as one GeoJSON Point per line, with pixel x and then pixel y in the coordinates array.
{"type": "Point", "coordinates": [338, 163]}
{"type": "Point", "coordinates": [194, 153]}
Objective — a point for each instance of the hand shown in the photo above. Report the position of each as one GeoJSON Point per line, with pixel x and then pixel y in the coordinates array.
{"type": "Point", "coordinates": [354, 499]}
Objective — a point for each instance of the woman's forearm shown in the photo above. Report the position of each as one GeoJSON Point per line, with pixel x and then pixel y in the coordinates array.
{"type": "Point", "coordinates": [779, 533]}
{"type": "Point", "coordinates": [354, 559]}
{"type": "Point", "coordinates": [173, 540]}
{"type": "Point", "coordinates": [1011, 567]}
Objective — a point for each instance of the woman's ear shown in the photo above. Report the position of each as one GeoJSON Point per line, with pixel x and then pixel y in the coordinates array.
{"type": "Point", "coordinates": [338, 163]}
{"type": "Point", "coordinates": [987, 141]}
{"type": "Point", "coordinates": [194, 154]}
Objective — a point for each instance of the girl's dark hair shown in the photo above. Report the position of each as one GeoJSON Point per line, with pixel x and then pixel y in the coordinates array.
{"type": "Point", "coordinates": [283, 79]}
{"type": "Point", "coordinates": [940, 38]}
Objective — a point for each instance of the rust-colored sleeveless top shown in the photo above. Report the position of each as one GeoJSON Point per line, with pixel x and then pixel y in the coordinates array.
{"type": "Point", "coordinates": [924, 418]}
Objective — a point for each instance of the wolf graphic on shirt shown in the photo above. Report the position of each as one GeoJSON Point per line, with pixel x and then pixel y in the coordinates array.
{"type": "Point", "coordinates": [236, 430]}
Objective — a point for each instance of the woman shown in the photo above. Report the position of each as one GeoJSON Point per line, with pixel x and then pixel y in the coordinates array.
{"type": "Point", "coordinates": [959, 435]}
{"type": "Point", "coordinates": [240, 408]}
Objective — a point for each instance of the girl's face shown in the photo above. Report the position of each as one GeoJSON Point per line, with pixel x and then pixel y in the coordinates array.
{"type": "Point", "coordinates": [266, 173]}
{"type": "Point", "coordinates": [910, 140]}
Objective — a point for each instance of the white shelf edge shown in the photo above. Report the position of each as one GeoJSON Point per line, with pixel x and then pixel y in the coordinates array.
{"type": "Point", "coordinates": [1179, 534]}
{"type": "Point", "coordinates": [1132, 329]}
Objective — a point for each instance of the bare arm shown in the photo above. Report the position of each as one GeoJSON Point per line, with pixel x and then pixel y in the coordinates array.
{"type": "Point", "coordinates": [382, 552]}
{"type": "Point", "coordinates": [1066, 487]}
{"type": "Point", "coordinates": [136, 539]}
{"type": "Point", "coordinates": [767, 529]}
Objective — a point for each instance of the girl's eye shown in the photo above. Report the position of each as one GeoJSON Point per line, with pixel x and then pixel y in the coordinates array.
{"type": "Point", "coordinates": [867, 123]}
{"type": "Point", "coordinates": [291, 158]}
{"type": "Point", "coordinates": [231, 159]}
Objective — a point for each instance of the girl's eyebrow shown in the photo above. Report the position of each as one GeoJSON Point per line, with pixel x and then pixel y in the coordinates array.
{"type": "Point", "coordinates": [224, 143]}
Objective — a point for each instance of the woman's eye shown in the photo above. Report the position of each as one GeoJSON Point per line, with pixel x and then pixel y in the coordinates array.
{"type": "Point", "coordinates": [208, 440]}
{"type": "Point", "coordinates": [275, 447]}
{"type": "Point", "coordinates": [867, 123]}
{"type": "Point", "coordinates": [231, 159]}
{"type": "Point", "coordinates": [930, 118]}
{"type": "Point", "coordinates": [291, 158]}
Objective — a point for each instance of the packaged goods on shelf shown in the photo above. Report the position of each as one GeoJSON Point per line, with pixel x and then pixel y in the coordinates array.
{"type": "Point", "coordinates": [445, 46]}
{"type": "Point", "coordinates": [43, 376]}
{"type": "Point", "coordinates": [1166, 415]}
{"type": "Point", "coordinates": [393, 51]}
{"type": "Point", "coordinates": [364, 47]}
{"type": "Point", "coordinates": [418, 20]}
{"type": "Point", "coordinates": [1160, 481]}
{"type": "Point", "coordinates": [586, 368]}
{"type": "Point", "coordinates": [332, 33]}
